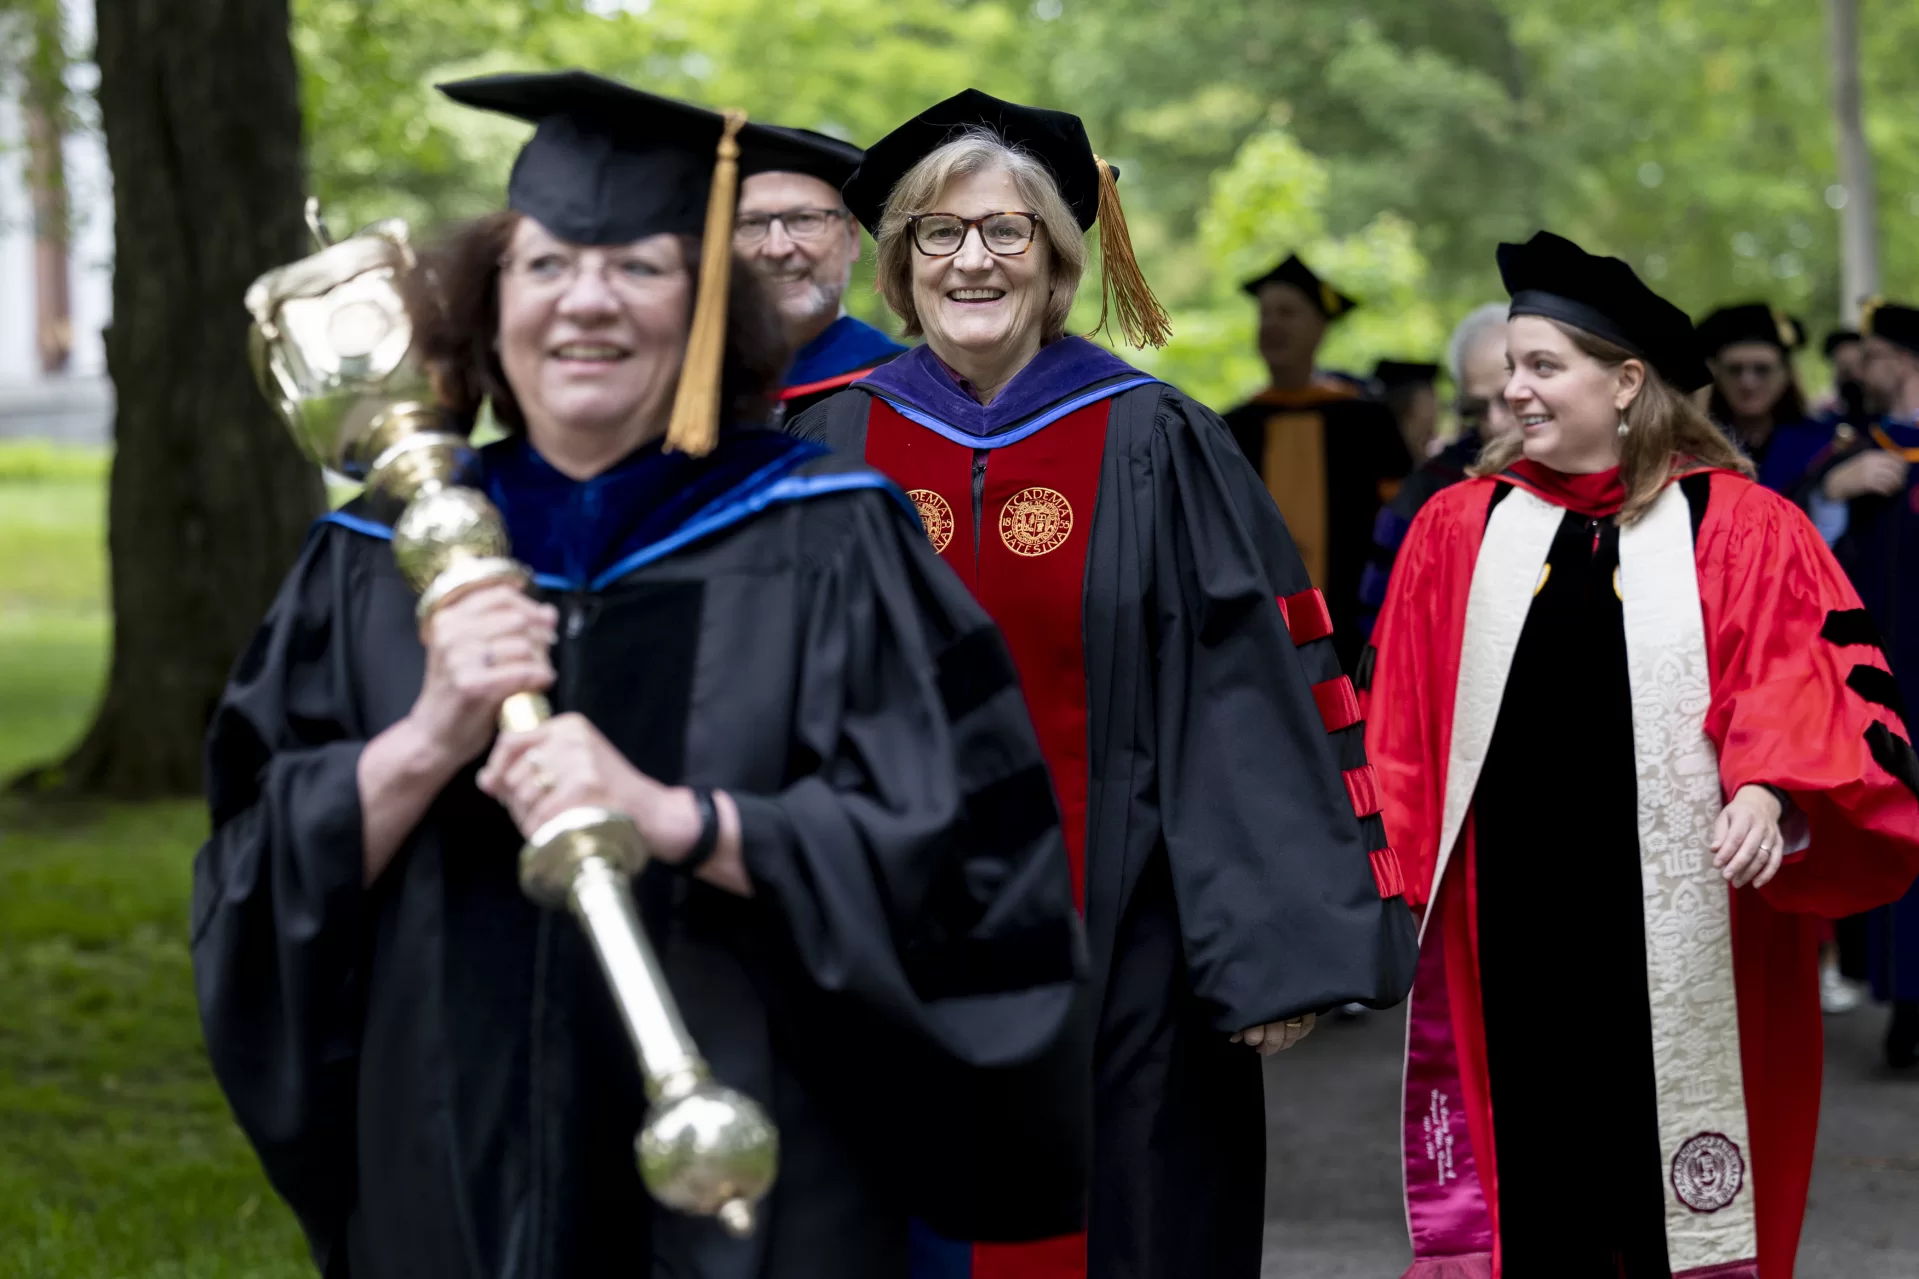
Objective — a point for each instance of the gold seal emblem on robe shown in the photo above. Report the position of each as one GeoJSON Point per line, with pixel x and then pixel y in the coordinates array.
{"type": "Point", "coordinates": [1035, 520]}
{"type": "Point", "coordinates": [936, 517]}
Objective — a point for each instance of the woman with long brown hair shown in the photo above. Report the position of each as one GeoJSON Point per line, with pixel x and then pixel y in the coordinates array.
{"type": "Point", "coordinates": [1632, 736]}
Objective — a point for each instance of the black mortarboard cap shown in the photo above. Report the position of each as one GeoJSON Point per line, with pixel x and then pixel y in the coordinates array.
{"type": "Point", "coordinates": [1330, 301]}
{"type": "Point", "coordinates": [1838, 338]}
{"type": "Point", "coordinates": [1056, 138]}
{"type": "Point", "coordinates": [1894, 322]}
{"type": "Point", "coordinates": [774, 149]}
{"type": "Point", "coordinates": [1750, 322]}
{"type": "Point", "coordinates": [1392, 374]}
{"type": "Point", "coordinates": [1550, 276]}
{"type": "Point", "coordinates": [607, 163]}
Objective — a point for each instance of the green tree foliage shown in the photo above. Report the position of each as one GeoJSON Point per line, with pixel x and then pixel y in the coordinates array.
{"type": "Point", "coordinates": [1692, 138]}
{"type": "Point", "coordinates": [1271, 200]}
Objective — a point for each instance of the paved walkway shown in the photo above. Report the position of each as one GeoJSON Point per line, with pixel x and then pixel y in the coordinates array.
{"type": "Point", "coordinates": [1333, 1206]}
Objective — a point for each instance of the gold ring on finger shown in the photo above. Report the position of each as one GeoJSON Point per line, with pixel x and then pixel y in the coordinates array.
{"type": "Point", "coordinates": [541, 778]}
{"type": "Point", "coordinates": [1295, 1023]}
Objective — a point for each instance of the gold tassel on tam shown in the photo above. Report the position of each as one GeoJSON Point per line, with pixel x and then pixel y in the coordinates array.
{"type": "Point", "coordinates": [1142, 320]}
{"type": "Point", "coordinates": [1868, 308]}
{"type": "Point", "coordinates": [695, 425]}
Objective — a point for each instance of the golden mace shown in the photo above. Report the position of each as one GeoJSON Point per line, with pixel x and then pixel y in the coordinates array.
{"type": "Point", "coordinates": [332, 346]}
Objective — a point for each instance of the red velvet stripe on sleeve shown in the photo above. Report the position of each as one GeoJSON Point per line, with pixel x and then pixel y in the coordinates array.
{"type": "Point", "coordinates": [1338, 704]}
{"type": "Point", "coordinates": [1306, 616]}
{"type": "Point", "coordinates": [1386, 872]}
{"type": "Point", "coordinates": [1362, 785]}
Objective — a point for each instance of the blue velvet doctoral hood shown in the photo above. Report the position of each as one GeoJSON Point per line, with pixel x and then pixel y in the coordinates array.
{"type": "Point", "coordinates": [846, 345]}
{"type": "Point", "coordinates": [581, 534]}
{"type": "Point", "coordinates": [584, 535]}
{"type": "Point", "coordinates": [1063, 377]}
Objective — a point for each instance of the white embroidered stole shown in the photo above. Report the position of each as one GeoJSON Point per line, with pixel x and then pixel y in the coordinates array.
{"type": "Point", "coordinates": [1704, 1144]}
{"type": "Point", "coordinates": [1689, 965]}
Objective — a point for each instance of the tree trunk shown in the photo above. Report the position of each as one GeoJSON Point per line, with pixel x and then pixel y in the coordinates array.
{"type": "Point", "coordinates": [209, 500]}
{"type": "Point", "coordinates": [1858, 223]}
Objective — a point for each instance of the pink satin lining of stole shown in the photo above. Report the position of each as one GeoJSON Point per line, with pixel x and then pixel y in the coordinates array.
{"type": "Point", "coordinates": [1730, 1270]}
{"type": "Point", "coordinates": [1445, 1203]}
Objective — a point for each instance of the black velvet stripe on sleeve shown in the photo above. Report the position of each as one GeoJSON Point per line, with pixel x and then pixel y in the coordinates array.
{"type": "Point", "coordinates": [1319, 658]}
{"type": "Point", "coordinates": [1894, 754]}
{"type": "Point", "coordinates": [972, 670]}
{"type": "Point", "coordinates": [1878, 687]}
{"type": "Point", "coordinates": [1373, 828]}
{"type": "Point", "coordinates": [1017, 808]}
{"type": "Point", "coordinates": [949, 968]}
{"type": "Point", "coordinates": [1349, 746]}
{"type": "Point", "coordinates": [1848, 626]}
{"type": "Point", "coordinates": [1363, 673]}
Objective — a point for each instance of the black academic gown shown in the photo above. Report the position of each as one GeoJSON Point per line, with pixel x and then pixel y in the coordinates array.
{"type": "Point", "coordinates": [1568, 686]}
{"type": "Point", "coordinates": [1364, 458]}
{"type": "Point", "coordinates": [1227, 877]}
{"type": "Point", "coordinates": [431, 1068]}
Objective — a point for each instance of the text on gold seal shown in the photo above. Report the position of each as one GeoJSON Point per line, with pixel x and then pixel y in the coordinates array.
{"type": "Point", "coordinates": [935, 516]}
{"type": "Point", "coordinates": [1035, 520]}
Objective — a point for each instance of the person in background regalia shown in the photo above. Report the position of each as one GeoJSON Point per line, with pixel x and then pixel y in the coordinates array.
{"type": "Point", "coordinates": [1863, 492]}
{"type": "Point", "coordinates": [1845, 351]}
{"type": "Point", "coordinates": [1755, 389]}
{"type": "Point", "coordinates": [858, 887]}
{"type": "Point", "coordinates": [1410, 389]}
{"type": "Point", "coordinates": [1476, 358]}
{"type": "Point", "coordinates": [1633, 736]}
{"type": "Point", "coordinates": [1329, 456]}
{"type": "Point", "coordinates": [1178, 661]}
{"type": "Point", "coordinates": [792, 224]}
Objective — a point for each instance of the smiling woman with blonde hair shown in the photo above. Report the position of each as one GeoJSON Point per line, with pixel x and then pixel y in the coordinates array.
{"type": "Point", "coordinates": [1633, 734]}
{"type": "Point", "coordinates": [1203, 744]}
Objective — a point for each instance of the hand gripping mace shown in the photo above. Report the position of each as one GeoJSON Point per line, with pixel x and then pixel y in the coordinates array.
{"type": "Point", "coordinates": [332, 348]}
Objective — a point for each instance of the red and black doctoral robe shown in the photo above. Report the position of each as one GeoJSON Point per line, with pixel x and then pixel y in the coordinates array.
{"type": "Point", "coordinates": [1206, 751]}
{"type": "Point", "coordinates": [1613, 1058]}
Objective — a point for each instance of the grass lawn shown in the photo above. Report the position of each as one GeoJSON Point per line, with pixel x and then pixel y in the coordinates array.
{"type": "Point", "coordinates": [118, 1157]}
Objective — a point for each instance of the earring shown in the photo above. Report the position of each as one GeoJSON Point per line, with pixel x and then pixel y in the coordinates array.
{"type": "Point", "coordinates": [1624, 430]}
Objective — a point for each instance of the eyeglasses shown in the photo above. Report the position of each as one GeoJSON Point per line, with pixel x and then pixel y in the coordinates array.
{"type": "Point", "coordinates": [751, 229]}
{"type": "Point", "coordinates": [1004, 235]}
{"type": "Point", "coordinates": [1758, 370]}
{"type": "Point", "coordinates": [550, 272]}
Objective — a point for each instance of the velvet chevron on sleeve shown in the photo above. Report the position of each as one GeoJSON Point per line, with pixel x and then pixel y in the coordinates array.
{"type": "Point", "coordinates": [1289, 895]}
{"type": "Point", "coordinates": [1803, 699]}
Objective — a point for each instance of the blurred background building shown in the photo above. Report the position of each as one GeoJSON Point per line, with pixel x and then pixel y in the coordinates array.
{"type": "Point", "coordinates": [56, 250]}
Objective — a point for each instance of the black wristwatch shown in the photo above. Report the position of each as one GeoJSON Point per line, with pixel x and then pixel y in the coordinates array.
{"type": "Point", "coordinates": [702, 850]}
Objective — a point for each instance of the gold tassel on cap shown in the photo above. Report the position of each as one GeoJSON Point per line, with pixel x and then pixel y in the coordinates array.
{"type": "Point", "coordinates": [1142, 320]}
{"type": "Point", "coordinates": [695, 425]}
{"type": "Point", "coordinates": [1868, 308]}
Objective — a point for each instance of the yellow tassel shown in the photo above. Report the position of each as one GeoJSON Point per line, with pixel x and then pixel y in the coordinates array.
{"type": "Point", "coordinates": [1123, 288]}
{"type": "Point", "coordinates": [695, 425]}
{"type": "Point", "coordinates": [1867, 310]}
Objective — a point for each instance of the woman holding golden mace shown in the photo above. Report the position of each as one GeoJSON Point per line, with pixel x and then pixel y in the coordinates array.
{"type": "Point", "coordinates": [773, 705]}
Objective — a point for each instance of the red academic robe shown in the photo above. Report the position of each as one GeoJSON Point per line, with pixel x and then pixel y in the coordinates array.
{"type": "Point", "coordinates": [1800, 700]}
